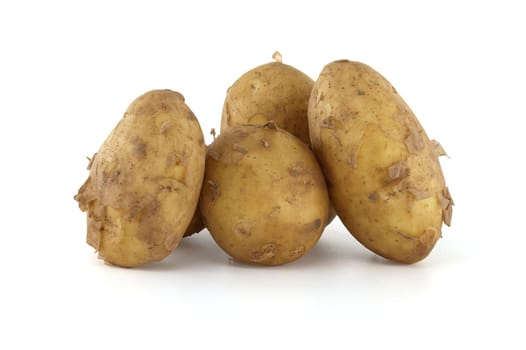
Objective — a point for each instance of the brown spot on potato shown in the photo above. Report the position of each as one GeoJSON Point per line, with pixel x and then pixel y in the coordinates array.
{"type": "Point", "coordinates": [239, 134]}
{"type": "Point", "coordinates": [310, 227]}
{"type": "Point", "coordinates": [164, 107]}
{"type": "Point", "coordinates": [238, 148]}
{"type": "Point", "coordinates": [353, 156]}
{"type": "Point", "coordinates": [190, 115]}
{"type": "Point", "coordinates": [327, 123]}
{"type": "Point", "coordinates": [424, 243]}
{"type": "Point", "coordinates": [373, 196]}
{"type": "Point", "coordinates": [298, 169]}
{"type": "Point", "coordinates": [115, 175]}
{"type": "Point", "coordinates": [139, 147]}
{"type": "Point", "coordinates": [171, 242]}
{"type": "Point", "coordinates": [214, 190]}
{"type": "Point", "coordinates": [214, 154]}
{"type": "Point", "coordinates": [360, 92]}
{"type": "Point", "coordinates": [173, 159]}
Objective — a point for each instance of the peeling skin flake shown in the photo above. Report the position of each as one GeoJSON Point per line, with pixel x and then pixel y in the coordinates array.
{"type": "Point", "coordinates": [398, 170]}
{"type": "Point", "coordinates": [448, 195]}
{"type": "Point", "coordinates": [446, 203]}
{"type": "Point", "coordinates": [277, 57]}
{"type": "Point", "coordinates": [419, 194]}
{"type": "Point", "coordinates": [447, 214]}
{"type": "Point", "coordinates": [90, 161]}
{"type": "Point", "coordinates": [414, 142]}
{"type": "Point", "coordinates": [439, 150]}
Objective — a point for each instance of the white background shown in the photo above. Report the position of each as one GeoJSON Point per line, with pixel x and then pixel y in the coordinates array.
{"type": "Point", "coordinates": [68, 71]}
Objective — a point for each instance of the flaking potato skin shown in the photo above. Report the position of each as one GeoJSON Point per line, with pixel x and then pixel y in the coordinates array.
{"type": "Point", "coordinates": [144, 182]}
{"type": "Point", "coordinates": [271, 92]}
{"type": "Point", "coordinates": [383, 173]}
{"type": "Point", "coordinates": [264, 198]}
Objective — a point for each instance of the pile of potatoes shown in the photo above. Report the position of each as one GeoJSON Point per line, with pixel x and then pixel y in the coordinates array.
{"type": "Point", "coordinates": [292, 153]}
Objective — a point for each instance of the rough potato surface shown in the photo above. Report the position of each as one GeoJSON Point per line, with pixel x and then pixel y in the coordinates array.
{"type": "Point", "coordinates": [264, 198]}
{"type": "Point", "coordinates": [273, 91]}
{"type": "Point", "coordinates": [382, 170]}
{"type": "Point", "coordinates": [144, 182]}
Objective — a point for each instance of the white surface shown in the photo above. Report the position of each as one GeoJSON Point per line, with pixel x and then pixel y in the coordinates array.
{"type": "Point", "coordinates": [68, 72]}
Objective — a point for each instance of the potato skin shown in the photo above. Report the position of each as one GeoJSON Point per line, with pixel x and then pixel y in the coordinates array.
{"type": "Point", "coordinates": [264, 198]}
{"type": "Point", "coordinates": [383, 173]}
{"type": "Point", "coordinates": [144, 181]}
{"type": "Point", "coordinates": [273, 91]}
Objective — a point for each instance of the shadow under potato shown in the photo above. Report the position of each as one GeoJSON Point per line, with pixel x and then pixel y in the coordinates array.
{"type": "Point", "coordinates": [200, 252]}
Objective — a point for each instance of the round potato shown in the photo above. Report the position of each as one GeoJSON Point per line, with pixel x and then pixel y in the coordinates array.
{"type": "Point", "coordinates": [264, 198]}
{"type": "Point", "coordinates": [383, 173]}
{"type": "Point", "coordinates": [145, 180]}
{"type": "Point", "coordinates": [274, 91]}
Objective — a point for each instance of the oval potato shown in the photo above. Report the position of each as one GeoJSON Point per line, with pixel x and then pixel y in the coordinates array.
{"type": "Point", "coordinates": [383, 173]}
{"type": "Point", "coordinates": [264, 198]}
{"type": "Point", "coordinates": [273, 91]}
{"type": "Point", "coordinates": [144, 181]}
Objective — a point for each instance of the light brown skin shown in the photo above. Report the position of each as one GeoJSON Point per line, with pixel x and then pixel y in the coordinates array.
{"type": "Point", "coordinates": [144, 181]}
{"type": "Point", "coordinates": [273, 91]}
{"type": "Point", "coordinates": [264, 198]}
{"type": "Point", "coordinates": [383, 173]}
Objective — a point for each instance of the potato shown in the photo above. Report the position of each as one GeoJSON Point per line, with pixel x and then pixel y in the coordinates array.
{"type": "Point", "coordinates": [273, 91]}
{"type": "Point", "coordinates": [383, 173]}
{"type": "Point", "coordinates": [144, 181]}
{"type": "Point", "coordinates": [264, 198]}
